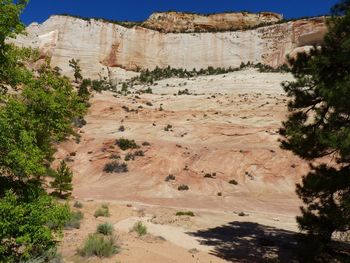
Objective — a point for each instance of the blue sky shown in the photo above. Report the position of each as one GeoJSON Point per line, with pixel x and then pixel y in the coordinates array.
{"type": "Point", "coordinates": [138, 10]}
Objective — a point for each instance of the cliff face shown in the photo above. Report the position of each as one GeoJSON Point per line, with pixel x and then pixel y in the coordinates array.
{"type": "Point", "coordinates": [108, 49]}
{"type": "Point", "coordinates": [183, 22]}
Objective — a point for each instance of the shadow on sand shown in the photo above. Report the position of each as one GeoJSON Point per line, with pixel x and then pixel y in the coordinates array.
{"type": "Point", "coordinates": [249, 242]}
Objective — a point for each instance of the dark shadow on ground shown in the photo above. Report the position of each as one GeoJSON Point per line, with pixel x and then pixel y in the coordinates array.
{"type": "Point", "coordinates": [249, 242]}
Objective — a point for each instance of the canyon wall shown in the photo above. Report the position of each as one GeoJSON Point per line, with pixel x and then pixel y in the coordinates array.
{"type": "Point", "coordinates": [109, 49]}
{"type": "Point", "coordinates": [177, 22]}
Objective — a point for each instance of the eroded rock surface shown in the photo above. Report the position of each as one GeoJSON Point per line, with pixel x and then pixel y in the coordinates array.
{"type": "Point", "coordinates": [109, 49]}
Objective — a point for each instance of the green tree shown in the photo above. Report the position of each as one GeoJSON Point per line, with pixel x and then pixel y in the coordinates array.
{"type": "Point", "coordinates": [62, 182]}
{"type": "Point", "coordinates": [318, 128]}
{"type": "Point", "coordinates": [74, 64]}
{"type": "Point", "coordinates": [29, 228]}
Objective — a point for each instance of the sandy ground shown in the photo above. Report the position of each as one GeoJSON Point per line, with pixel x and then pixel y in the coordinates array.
{"type": "Point", "coordinates": [227, 126]}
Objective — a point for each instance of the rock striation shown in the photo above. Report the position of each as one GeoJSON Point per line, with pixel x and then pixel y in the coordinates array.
{"type": "Point", "coordinates": [109, 49]}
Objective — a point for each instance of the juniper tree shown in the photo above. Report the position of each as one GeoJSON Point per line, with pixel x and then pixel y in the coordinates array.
{"type": "Point", "coordinates": [318, 128]}
{"type": "Point", "coordinates": [62, 182]}
{"type": "Point", "coordinates": [74, 64]}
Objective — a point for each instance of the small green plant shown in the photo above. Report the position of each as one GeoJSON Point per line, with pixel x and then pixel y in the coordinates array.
{"type": "Point", "coordinates": [74, 220]}
{"type": "Point", "coordinates": [125, 144]}
{"type": "Point", "coordinates": [102, 211]}
{"type": "Point", "coordinates": [115, 167]}
{"type": "Point", "coordinates": [140, 228]}
{"type": "Point", "coordinates": [184, 213]}
{"type": "Point", "coordinates": [234, 182]}
{"type": "Point", "coordinates": [105, 229]}
{"type": "Point", "coordinates": [170, 177]}
{"type": "Point", "coordinates": [99, 245]}
{"type": "Point", "coordinates": [78, 204]}
{"type": "Point", "coordinates": [183, 187]}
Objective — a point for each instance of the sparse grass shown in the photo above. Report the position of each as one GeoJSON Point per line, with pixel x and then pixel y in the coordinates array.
{"type": "Point", "coordinates": [115, 167]}
{"type": "Point", "coordinates": [140, 228]}
{"type": "Point", "coordinates": [170, 177]}
{"type": "Point", "coordinates": [184, 213]}
{"type": "Point", "coordinates": [74, 220]}
{"type": "Point", "coordinates": [99, 245]}
{"type": "Point", "coordinates": [125, 144]}
{"type": "Point", "coordinates": [105, 229]}
{"type": "Point", "coordinates": [103, 211]}
{"type": "Point", "coordinates": [183, 187]}
{"type": "Point", "coordinates": [78, 204]}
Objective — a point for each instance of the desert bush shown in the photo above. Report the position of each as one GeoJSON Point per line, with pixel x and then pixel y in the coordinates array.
{"type": "Point", "coordinates": [139, 153]}
{"type": "Point", "coordinates": [105, 229]}
{"type": "Point", "coordinates": [78, 204]}
{"type": "Point", "coordinates": [183, 92]}
{"type": "Point", "coordinates": [234, 182]}
{"type": "Point", "coordinates": [114, 157]}
{"type": "Point", "coordinates": [103, 211]}
{"type": "Point", "coordinates": [184, 213]}
{"type": "Point", "coordinates": [99, 245]}
{"type": "Point", "coordinates": [140, 228]}
{"type": "Point", "coordinates": [121, 128]}
{"type": "Point", "coordinates": [146, 144]}
{"type": "Point", "coordinates": [125, 144]}
{"type": "Point", "coordinates": [168, 127]}
{"type": "Point", "coordinates": [170, 177]}
{"type": "Point", "coordinates": [74, 220]}
{"type": "Point", "coordinates": [129, 156]}
{"type": "Point", "coordinates": [183, 187]}
{"type": "Point", "coordinates": [115, 167]}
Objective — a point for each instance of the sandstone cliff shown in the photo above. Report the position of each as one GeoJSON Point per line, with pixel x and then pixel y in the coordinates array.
{"type": "Point", "coordinates": [176, 22]}
{"type": "Point", "coordinates": [109, 49]}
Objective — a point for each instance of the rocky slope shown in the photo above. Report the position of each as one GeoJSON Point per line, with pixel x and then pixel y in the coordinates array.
{"type": "Point", "coordinates": [176, 22]}
{"type": "Point", "coordinates": [108, 49]}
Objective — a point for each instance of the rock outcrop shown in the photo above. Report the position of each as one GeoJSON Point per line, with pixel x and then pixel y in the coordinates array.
{"type": "Point", "coordinates": [109, 49]}
{"type": "Point", "coordinates": [176, 22]}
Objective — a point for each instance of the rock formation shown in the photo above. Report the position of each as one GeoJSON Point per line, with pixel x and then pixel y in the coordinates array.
{"type": "Point", "coordinates": [175, 22]}
{"type": "Point", "coordinates": [108, 49]}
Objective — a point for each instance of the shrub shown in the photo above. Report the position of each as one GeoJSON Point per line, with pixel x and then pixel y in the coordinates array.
{"type": "Point", "coordinates": [121, 128]}
{"type": "Point", "coordinates": [129, 157]}
{"type": "Point", "coordinates": [74, 220]}
{"type": "Point", "coordinates": [105, 229]}
{"type": "Point", "coordinates": [140, 228]}
{"type": "Point", "coordinates": [168, 127]}
{"type": "Point", "coordinates": [139, 153]}
{"type": "Point", "coordinates": [114, 156]}
{"type": "Point", "coordinates": [78, 204]}
{"type": "Point", "coordinates": [125, 144]}
{"type": "Point", "coordinates": [99, 245]}
{"type": "Point", "coordinates": [234, 182]}
{"type": "Point", "coordinates": [115, 167]}
{"type": "Point", "coordinates": [102, 211]}
{"type": "Point", "coordinates": [184, 213]}
{"type": "Point", "coordinates": [183, 187]}
{"type": "Point", "coordinates": [170, 177]}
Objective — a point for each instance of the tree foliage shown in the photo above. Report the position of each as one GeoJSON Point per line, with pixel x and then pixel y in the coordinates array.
{"type": "Point", "coordinates": [35, 115]}
{"type": "Point", "coordinates": [318, 128]}
{"type": "Point", "coordinates": [29, 228]}
{"type": "Point", "coordinates": [62, 182]}
{"type": "Point", "coordinates": [74, 64]}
